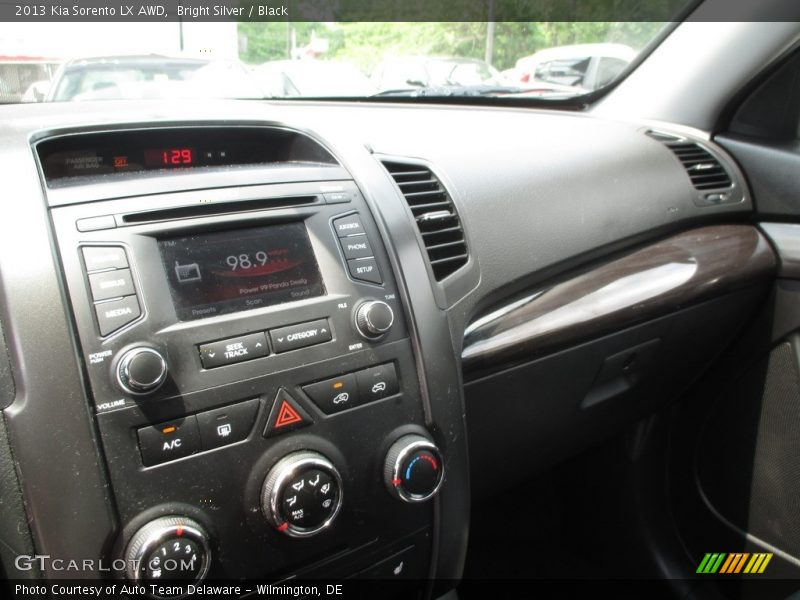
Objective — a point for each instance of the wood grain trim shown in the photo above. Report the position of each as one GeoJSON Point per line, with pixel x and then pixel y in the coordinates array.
{"type": "Point", "coordinates": [652, 281]}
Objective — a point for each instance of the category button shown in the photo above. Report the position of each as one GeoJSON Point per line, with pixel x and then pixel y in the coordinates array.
{"type": "Point", "coordinates": [365, 269]}
{"type": "Point", "coordinates": [334, 395]}
{"type": "Point", "coordinates": [377, 382]}
{"type": "Point", "coordinates": [356, 246]}
{"type": "Point", "coordinates": [111, 284]}
{"type": "Point", "coordinates": [116, 314]}
{"type": "Point", "coordinates": [300, 335]}
{"type": "Point", "coordinates": [169, 441]}
{"type": "Point", "coordinates": [97, 258]}
{"type": "Point", "coordinates": [349, 225]}
{"type": "Point", "coordinates": [227, 425]}
{"type": "Point", "coordinates": [233, 350]}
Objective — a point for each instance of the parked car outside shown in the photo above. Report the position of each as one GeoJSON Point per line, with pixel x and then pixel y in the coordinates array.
{"type": "Point", "coordinates": [426, 72]}
{"type": "Point", "coordinates": [585, 66]}
{"type": "Point", "coordinates": [314, 78]}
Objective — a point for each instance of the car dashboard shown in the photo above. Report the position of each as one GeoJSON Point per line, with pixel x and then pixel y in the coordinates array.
{"type": "Point", "coordinates": [300, 338]}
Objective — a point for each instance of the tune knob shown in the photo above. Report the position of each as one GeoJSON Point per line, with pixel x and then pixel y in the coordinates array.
{"type": "Point", "coordinates": [414, 469]}
{"type": "Point", "coordinates": [141, 371]}
{"type": "Point", "coordinates": [374, 319]}
{"type": "Point", "coordinates": [168, 548]}
{"type": "Point", "coordinates": [302, 494]}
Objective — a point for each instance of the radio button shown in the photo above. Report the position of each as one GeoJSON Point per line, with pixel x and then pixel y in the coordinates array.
{"type": "Point", "coordinates": [334, 395]}
{"type": "Point", "coordinates": [97, 258]}
{"type": "Point", "coordinates": [356, 246]}
{"type": "Point", "coordinates": [300, 335]}
{"type": "Point", "coordinates": [169, 441]}
{"type": "Point", "coordinates": [233, 350]}
{"type": "Point", "coordinates": [116, 314]}
{"type": "Point", "coordinates": [111, 284]}
{"type": "Point", "coordinates": [226, 425]}
{"type": "Point", "coordinates": [349, 225]}
{"type": "Point", "coordinates": [377, 383]}
{"type": "Point", "coordinates": [365, 269]}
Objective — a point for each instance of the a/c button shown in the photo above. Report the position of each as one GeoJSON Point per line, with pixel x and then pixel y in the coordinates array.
{"type": "Point", "coordinates": [168, 441]}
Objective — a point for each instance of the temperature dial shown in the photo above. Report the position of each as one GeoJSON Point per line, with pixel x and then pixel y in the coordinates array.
{"type": "Point", "coordinates": [414, 469]}
{"type": "Point", "coordinates": [141, 371]}
{"type": "Point", "coordinates": [169, 548]}
{"type": "Point", "coordinates": [374, 319]}
{"type": "Point", "coordinates": [302, 494]}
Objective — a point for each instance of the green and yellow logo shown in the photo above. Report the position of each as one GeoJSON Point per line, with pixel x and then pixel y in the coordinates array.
{"type": "Point", "coordinates": [742, 562]}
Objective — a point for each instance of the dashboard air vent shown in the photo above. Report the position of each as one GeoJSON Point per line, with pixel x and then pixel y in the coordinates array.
{"type": "Point", "coordinates": [435, 214]}
{"type": "Point", "coordinates": [705, 171]}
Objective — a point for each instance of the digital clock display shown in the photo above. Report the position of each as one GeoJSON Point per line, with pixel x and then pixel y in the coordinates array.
{"type": "Point", "coordinates": [212, 274]}
{"type": "Point", "coordinates": [169, 157]}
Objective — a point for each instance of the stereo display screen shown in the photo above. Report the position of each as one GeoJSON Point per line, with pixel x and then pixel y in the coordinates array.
{"type": "Point", "coordinates": [212, 274]}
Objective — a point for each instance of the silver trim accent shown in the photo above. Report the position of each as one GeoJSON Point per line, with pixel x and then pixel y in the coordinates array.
{"type": "Point", "coordinates": [132, 386]}
{"type": "Point", "coordinates": [277, 480]}
{"type": "Point", "coordinates": [157, 532]}
{"type": "Point", "coordinates": [363, 321]}
{"type": "Point", "coordinates": [414, 443]}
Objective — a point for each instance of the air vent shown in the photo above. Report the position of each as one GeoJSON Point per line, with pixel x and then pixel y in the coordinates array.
{"type": "Point", "coordinates": [705, 171]}
{"type": "Point", "coordinates": [435, 215]}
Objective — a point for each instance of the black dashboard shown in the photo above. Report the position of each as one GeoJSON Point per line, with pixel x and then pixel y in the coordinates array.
{"type": "Point", "coordinates": [295, 340]}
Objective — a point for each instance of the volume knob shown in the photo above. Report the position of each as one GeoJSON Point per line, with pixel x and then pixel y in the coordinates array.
{"type": "Point", "coordinates": [374, 319]}
{"type": "Point", "coordinates": [141, 371]}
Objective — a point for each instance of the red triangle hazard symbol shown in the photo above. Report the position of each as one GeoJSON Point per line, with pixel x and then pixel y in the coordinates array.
{"type": "Point", "coordinates": [287, 415]}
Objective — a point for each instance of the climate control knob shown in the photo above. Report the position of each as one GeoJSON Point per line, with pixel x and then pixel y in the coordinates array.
{"type": "Point", "coordinates": [414, 469]}
{"type": "Point", "coordinates": [168, 548]}
{"type": "Point", "coordinates": [302, 494]}
{"type": "Point", "coordinates": [374, 319]}
{"type": "Point", "coordinates": [141, 371]}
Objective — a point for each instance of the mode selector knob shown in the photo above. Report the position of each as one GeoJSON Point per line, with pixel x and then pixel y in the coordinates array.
{"type": "Point", "coordinates": [414, 469]}
{"type": "Point", "coordinates": [168, 548]}
{"type": "Point", "coordinates": [302, 494]}
{"type": "Point", "coordinates": [141, 371]}
{"type": "Point", "coordinates": [374, 319]}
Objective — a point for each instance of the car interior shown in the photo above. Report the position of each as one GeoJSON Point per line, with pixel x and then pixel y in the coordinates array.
{"type": "Point", "coordinates": [425, 342]}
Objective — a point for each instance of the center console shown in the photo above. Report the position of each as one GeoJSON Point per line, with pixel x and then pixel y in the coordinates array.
{"type": "Point", "coordinates": [247, 356]}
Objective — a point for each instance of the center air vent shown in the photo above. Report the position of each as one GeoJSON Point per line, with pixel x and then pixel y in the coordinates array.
{"type": "Point", "coordinates": [705, 171]}
{"type": "Point", "coordinates": [435, 214]}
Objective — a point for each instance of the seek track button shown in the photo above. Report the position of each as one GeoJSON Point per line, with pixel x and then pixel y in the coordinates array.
{"type": "Point", "coordinates": [233, 350]}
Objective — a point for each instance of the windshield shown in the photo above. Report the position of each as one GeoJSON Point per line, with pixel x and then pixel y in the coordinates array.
{"type": "Point", "coordinates": [52, 62]}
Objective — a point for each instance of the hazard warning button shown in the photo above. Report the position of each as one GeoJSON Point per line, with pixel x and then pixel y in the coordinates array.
{"type": "Point", "coordinates": [286, 415]}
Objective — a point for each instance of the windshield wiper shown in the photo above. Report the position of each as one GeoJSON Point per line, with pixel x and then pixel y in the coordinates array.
{"type": "Point", "coordinates": [472, 91]}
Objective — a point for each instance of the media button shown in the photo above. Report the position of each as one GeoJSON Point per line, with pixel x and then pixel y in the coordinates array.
{"type": "Point", "coordinates": [300, 335]}
{"type": "Point", "coordinates": [168, 441]}
{"type": "Point", "coordinates": [111, 284]}
{"type": "Point", "coordinates": [226, 425]}
{"type": "Point", "coordinates": [233, 350]}
{"type": "Point", "coordinates": [334, 395]}
{"type": "Point", "coordinates": [116, 314]}
{"type": "Point", "coordinates": [349, 225]}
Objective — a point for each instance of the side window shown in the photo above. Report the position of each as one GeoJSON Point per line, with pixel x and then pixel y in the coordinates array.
{"type": "Point", "coordinates": [608, 70]}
